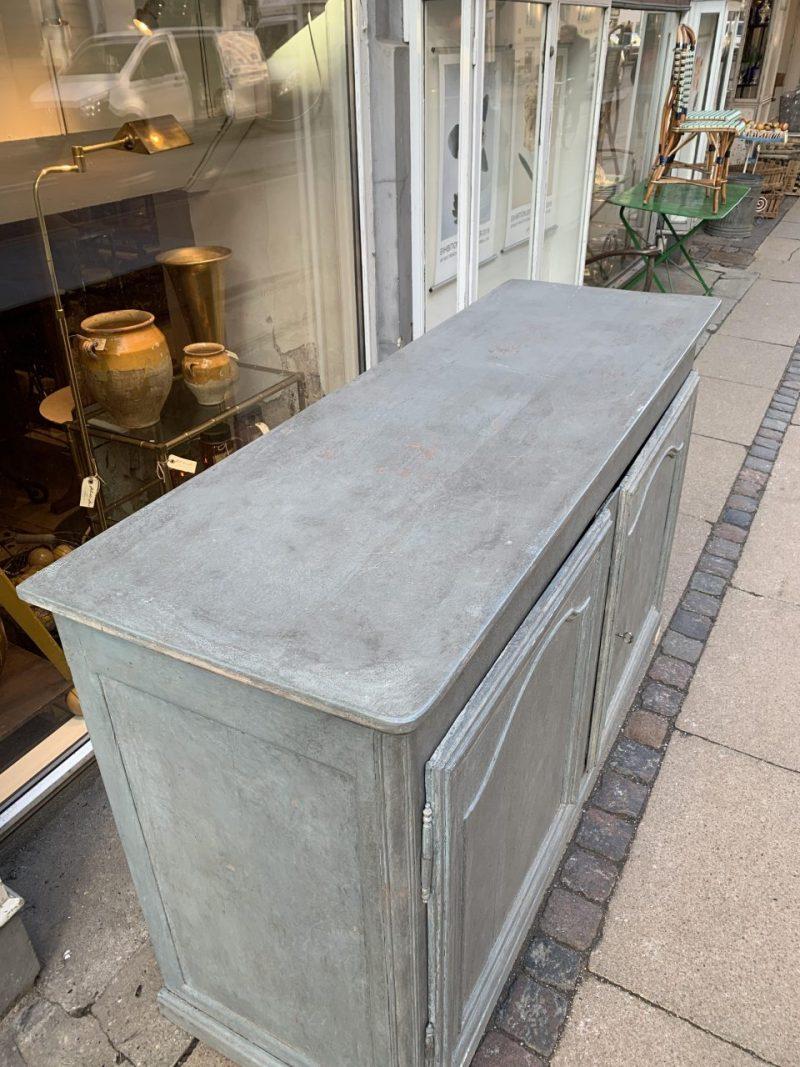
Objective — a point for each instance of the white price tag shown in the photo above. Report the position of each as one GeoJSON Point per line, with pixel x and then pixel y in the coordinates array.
{"type": "Point", "coordinates": [262, 427]}
{"type": "Point", "coordinates": [178, 463]}
{"type": "Point", "coordinates": [90, 487]}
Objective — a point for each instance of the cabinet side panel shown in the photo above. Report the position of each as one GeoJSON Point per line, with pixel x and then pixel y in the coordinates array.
{"type": "Point", "coordinates": [254, 851]}
{"type": "Point", "coordinates": [252, 834]}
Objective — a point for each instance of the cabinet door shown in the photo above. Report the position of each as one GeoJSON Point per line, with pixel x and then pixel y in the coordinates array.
{"type": "Point", "coordinates": [501, 788]}
{"type": "Point", "coordinates": [648, 508]}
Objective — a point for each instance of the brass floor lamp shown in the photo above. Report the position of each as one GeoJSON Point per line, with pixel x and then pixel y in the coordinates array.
{"type": "Point", "coordinates": [143, 137]}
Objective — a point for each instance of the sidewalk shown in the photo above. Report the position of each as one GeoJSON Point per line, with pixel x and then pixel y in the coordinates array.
{"type": "Point", "coordinates": [696, 956]}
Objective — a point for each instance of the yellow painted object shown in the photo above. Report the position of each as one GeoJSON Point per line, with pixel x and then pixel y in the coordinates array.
{"type": "Point", "coordinates": [24, 617]}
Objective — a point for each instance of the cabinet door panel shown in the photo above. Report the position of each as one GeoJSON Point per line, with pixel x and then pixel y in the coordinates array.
{"type": "Point", "coordinates": [648, 508]}
{"type": "Point", "coordinates": [501, 788]}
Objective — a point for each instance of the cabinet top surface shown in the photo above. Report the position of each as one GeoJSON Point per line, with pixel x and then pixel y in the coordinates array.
{"type": "Point", "coordinates": [357, 558]}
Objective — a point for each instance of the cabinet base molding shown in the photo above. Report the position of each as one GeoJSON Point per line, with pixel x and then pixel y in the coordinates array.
{"type": "Point", "coordinates": [218, 1036]}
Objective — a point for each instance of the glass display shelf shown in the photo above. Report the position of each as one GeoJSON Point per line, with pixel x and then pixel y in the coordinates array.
{"type": "Point", "coordinates": [183, 421]}
{"type": "Point", "coordinates": [183, 418]}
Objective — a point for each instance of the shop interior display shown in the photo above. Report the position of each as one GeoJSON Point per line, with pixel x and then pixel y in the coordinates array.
{"type": "Point", "coordinates": [680, 126]}
{"type": "Point", "coordinates": [259, 196]}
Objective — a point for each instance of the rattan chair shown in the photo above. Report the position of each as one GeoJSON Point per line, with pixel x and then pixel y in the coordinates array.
{"type": "Point", "coordinates": [679, 127]}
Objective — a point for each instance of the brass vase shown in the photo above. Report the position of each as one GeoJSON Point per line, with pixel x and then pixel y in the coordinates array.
{"type": "Point", "coordinates": [127, 366]}
{"type": "Point", "coordinates": [196, 276]}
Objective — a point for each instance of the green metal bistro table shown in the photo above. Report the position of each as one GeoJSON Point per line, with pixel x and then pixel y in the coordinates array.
{"type": "Point", "coordinates": [683, 201]}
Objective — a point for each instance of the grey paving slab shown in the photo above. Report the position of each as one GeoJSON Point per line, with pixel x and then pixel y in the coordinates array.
{"type": "Point", "coordinates": [704, 922]}
{"type": "Point", "coordinates": [711, 469]}
{"type": "Point", "coordinates": [608, 1027]}
{"type": "Point", "coordinates": [81, 909]}
{"type": "Point", "coordinates": [793, 214]}
{"type": "Point", "coordinates": [779, 270]}
{"type": "Point", "coordinates": [780, 249]}
{"type": "Point", "coordinates": [730, 411]}
{"type": "Point", "coordinates": [690, 537]}
{"type": "Point", "coordinates": [203, 1056]}
{"type": "Point", "coordinates": [46, 1036]}
{"type": "Point", "coordinates": [739, 360]}
{"type": "Point", "coordinates": [787, 229]}
{"type": "Point", "coordinates": [734, 283]}
{"type": "Point", "coordinates": [746, 692]}
{"type": "Point", "coordinates": [769, 563]}
{"type": "Point", "coordinates": [768, 566]}
{"type": "Point", "coordinates": [128, 1013]}
{"type": "Point", "coordinates": [769, 311]}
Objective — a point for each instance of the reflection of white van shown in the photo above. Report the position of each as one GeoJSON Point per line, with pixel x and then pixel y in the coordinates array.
{"type": "Point", "coordinates": [188, 72]}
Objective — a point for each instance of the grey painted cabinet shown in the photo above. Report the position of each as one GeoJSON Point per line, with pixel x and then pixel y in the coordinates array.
{"type": "Point", "coordinates": [648, 508]}
{"type": "Point", "coordinates": [501, 790]}
{"type": "Point", "coordinates": [346, 688]}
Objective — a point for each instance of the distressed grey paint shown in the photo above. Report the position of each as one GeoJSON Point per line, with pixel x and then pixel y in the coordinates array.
{"type": "Point", "coordinates": [503, 787]}
{"type": "Point", "coordinates": [269, 657]}
{"type": "Point", "coordinates": [373, 555]}
{"type": "Point", "coordinates": [648, 510]}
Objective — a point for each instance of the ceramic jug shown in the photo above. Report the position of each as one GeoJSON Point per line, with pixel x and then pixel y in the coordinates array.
{"type": "Point", "coordinates": [210, 371]}
{"type": "Point", "coordinates": [126, 364]}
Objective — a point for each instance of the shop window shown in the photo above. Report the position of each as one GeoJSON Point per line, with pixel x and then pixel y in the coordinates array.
{"type": "Point", "coordinates": [242, 240]}
{"type": "Point", "coordinates": [571, 140]}
{"type": "Point", "coordinates": [503, 143]}
{"type": "Point", "coordinates": [637, 58]}
{"type": "Point", "coordinates": [754, 50]}
{"type": "Point", "coordinates": [443, 141]}
{"type": "Point", "coordinates": [512, 104]}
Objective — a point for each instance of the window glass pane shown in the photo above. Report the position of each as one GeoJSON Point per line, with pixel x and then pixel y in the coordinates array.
{"type": "Point", "coordinates": [754, 51]}
{"type": "Point", "coordinates": [634, 84]}
{"type": "Point", "coordinates": [571, 135]}
{"type": "Point", "coordinates": [155, 63]}
{"type": "Point", "coordinates": [265, 188]}
{"type": "Point", "coordinates": [730, 35]}
{"type": "Point", "coordinates": [442, 103]}
{"type": "Point", "coordinates": [512, 80]}
{"type": "Point", "coordinates": [704, 56]}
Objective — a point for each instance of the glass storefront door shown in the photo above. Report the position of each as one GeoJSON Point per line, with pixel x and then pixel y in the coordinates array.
{"type": "Point", "coordinates": [577, 68]}
{"type": "Point", "coordinates": [509, 164]}
{"type": "Point", "coordinates": [638, 57]}
{"type": "Point", "coordinates": [480, 187]}
{"type": "Point", "coordinates": [260, 201]}
{"type": "Point", "coordinates": [491, 199]}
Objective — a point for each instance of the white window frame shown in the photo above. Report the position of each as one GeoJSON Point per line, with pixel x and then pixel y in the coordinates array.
{"type": "Point", "coordinates": [473, 23]}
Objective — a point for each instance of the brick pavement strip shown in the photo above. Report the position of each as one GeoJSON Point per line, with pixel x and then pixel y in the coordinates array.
{"type": "Point", "coordinates": [530, 1020]}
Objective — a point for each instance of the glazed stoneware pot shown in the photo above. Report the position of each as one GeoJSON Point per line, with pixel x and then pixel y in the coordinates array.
{"type": "Point", "coordinates": [127, 366]}
{"type": "Point", "coordinates": [210, 371]}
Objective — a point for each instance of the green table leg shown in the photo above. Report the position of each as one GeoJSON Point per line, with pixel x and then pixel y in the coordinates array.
{"type": "Point", "coordinates": [637, 243]}
{"type": "Point", "coordinates": [679, 239]}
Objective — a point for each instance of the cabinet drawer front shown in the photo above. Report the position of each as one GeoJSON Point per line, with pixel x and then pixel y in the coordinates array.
{"type": "Point", "coordinates": [648, 508]}
{"type": "Point", "coordinates": [501, 787]}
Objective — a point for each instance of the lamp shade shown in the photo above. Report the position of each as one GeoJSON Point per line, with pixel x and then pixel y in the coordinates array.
{"type": "Point", "coordinates": [148, 136]}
